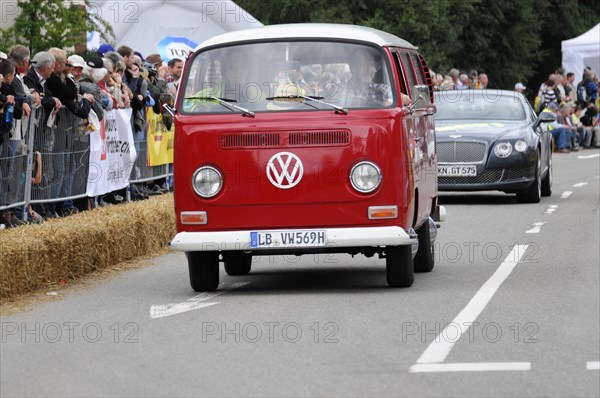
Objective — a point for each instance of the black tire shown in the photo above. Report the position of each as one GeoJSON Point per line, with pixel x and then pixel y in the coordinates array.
{"type": "Point", "coordinates": [424, 260]}
{"type": "Point", "coordinates": [547, 181]}
{"type": "Point", "coordinates": [399, 266]}
{"type": "Point", "coordinates": [204, 270]}
{"type": "Point", "coordinates": [237, 263]}
{"type": "Point", "coordinates": [534, 193]}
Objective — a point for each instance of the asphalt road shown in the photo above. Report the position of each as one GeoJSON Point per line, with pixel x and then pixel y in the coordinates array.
{"type": "Point", "coordinates": [511, 309]}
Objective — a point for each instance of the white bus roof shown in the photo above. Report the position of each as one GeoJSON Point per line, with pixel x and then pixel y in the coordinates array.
{"type": "Point", "coordinates": [309, 31]}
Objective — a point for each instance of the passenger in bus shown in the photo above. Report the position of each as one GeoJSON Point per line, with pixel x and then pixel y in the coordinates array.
{"type": "Point", "coordinates": [361, 89]}
{"type": "Point", "coordinates": [328, 86]}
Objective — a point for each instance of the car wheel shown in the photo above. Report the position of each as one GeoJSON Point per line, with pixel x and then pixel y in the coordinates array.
{"type": "Point", "coordinates": [424, 260]}
{"type": "Point", "coordinates": [204, 270]}
{"type": "Point", "coordinates": [399, 266]}
{"type": "Point", "coordinates": [534, 193]}
{"type": "Point", "coordinates": [237, 263]}
{"type": "Point", "coordinates": [547, 181]}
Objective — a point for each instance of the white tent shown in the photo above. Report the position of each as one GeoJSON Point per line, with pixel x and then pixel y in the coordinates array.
{"type": "Point", "coordinates": [144, 25]}
{"type": "Point", "coordinates": [582, 51]}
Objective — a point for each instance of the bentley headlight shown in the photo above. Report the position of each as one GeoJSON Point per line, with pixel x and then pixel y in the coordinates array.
{"type": "Point", "coordinates": [365, 177]}
{"type": "Point", "coordinates": [502, 149]}
{"type": "Point", "coordinates": [207, 181]}
{"type": "Point", "coordinates": [520, 146]}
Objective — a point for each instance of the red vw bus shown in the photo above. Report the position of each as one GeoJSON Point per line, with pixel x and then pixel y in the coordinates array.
{"type": "Point", "coordinates": [305, 138]}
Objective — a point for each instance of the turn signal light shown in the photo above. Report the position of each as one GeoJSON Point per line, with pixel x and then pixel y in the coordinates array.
{"type": "Point", "coordinates": [193, 217]}
{"type": "Point", "coordinates": [382, 212]}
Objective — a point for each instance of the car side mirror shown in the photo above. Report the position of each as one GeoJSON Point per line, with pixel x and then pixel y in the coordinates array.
{"type": "Point", "coordinates": [545, 117]}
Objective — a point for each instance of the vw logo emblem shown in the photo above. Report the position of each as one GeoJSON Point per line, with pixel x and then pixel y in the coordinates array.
{"type": "Point", "coordinates": [285, 170]}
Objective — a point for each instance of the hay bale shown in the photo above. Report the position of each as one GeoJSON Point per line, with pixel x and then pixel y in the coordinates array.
{"type": "Point", "coordinates": [36, 256]}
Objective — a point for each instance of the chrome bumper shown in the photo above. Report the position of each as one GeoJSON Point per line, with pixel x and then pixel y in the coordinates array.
{"type": "Point", "coordinates": [336, 238]}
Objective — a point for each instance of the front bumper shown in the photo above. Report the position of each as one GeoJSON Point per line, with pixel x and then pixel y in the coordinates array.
{"type": "Point", "coordinates": [336, 238]}
{"type": "Point", "coordinates": [507, 180]}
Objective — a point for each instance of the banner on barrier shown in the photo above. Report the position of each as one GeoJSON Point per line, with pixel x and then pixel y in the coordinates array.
{"type": "Point", "coordinates": [160, 140]}
{"type": "Point", "coordinates": [112, 153]}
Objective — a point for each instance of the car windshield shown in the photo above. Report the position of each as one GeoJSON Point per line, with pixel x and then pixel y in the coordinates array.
{"type": "Point", "coordinates": [288, 76]}
{"type": "Point", "coordinates": [465, 104]}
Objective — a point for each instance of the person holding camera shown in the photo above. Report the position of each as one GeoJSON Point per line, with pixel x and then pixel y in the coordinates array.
{"type": "Point", "coordinates": [157, 84]}
{"type": "Point", "coordinates": [120, 90]}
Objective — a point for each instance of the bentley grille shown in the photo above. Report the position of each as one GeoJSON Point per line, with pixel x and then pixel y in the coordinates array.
{"type": "Point", "coordinates": [461, 152]}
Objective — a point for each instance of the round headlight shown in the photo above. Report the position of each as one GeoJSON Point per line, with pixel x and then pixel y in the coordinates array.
{"type": "Point", "coordinates": [520, 146]}
{"type": "Point", "coordinates": [365, 177]}
{"type": "Point", "coordinates": [503, 149]}
{"type": "Point", "coordinates": [207, 181]}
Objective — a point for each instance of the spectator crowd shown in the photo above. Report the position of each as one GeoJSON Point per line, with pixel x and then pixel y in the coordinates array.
{"type": "Point", "coordinates": [577, 122]}
{"type": "Point", "coordinates": [576, 107]}
{"type": "Point", "coordinates": [53, 79]}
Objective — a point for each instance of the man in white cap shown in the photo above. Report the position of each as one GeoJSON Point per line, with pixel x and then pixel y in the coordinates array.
{"type": "Point", "coordinates": [520, 87]}
{"type": "Point", "coordinates": [74, 69]}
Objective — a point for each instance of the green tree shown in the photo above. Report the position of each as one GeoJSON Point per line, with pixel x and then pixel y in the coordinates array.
{"type": "Point", "coordinates": [511, 41]}
{"type": "Point", "coordinates": [502, 39]}
{"type": "Point", "coordinates": [433, 26]}
{"type": "Point", "coordinates": [42, 24]}
{"type": "Point", "coordinates": [560, 20]}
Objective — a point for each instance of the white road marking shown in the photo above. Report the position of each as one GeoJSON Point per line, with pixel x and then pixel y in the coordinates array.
{"type": "Point", "coordinates": [566, 194]}
{"type": "Point", "coordinates": [469, 367]}
{"type": "Point", "coordinates": [551, 209]}
{"type": "Point", "coordinates": [588, 156]}
{"type": "Point", "coordinates": [579, 185]}
{"type": "Point", "coordinates": [535, 228]}
{"type": "Point", "coordinates": [196, 302]}
{"type": "Point", "coordinates": [439, 349]}
{"type": "Point", "coordinates": [594, 365]}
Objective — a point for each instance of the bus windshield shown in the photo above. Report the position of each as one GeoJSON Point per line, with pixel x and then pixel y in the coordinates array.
{"type": "Point", "coordinates": [287, 76]}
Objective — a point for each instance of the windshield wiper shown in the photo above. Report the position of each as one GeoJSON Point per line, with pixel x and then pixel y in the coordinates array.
{"type": "Point", "coordinates": [314, 99]}
{"type": "Point", "coordinates": [226, 102]}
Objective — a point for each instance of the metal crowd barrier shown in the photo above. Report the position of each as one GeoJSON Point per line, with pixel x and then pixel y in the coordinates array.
{"type": "Point", "coordinates": [65, 157]}
{"type": "Point", "coordinates": [13, 165]}
{"type": "Point", "coordinates": [64, 153]}
{"type": "Point", "coordinates": [141, 171]}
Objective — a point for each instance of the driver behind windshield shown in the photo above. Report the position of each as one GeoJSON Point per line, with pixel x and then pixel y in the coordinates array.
{"type": "Point", "coordinates": [234, 71]}
{"type": "Point", "coordinates": [228, 83]}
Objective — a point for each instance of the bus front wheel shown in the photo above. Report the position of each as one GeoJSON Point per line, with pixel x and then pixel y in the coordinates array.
{"type": "Point", "coordinates": [204, 270]}
{"type": "Point", "coordinates": [399, 266]}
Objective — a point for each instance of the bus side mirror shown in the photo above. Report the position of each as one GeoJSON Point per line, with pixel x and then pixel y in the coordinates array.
{"type": "Point", "coordinates": [169, 109]}
{"type": "Point", "coordinates": [420, 97]}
